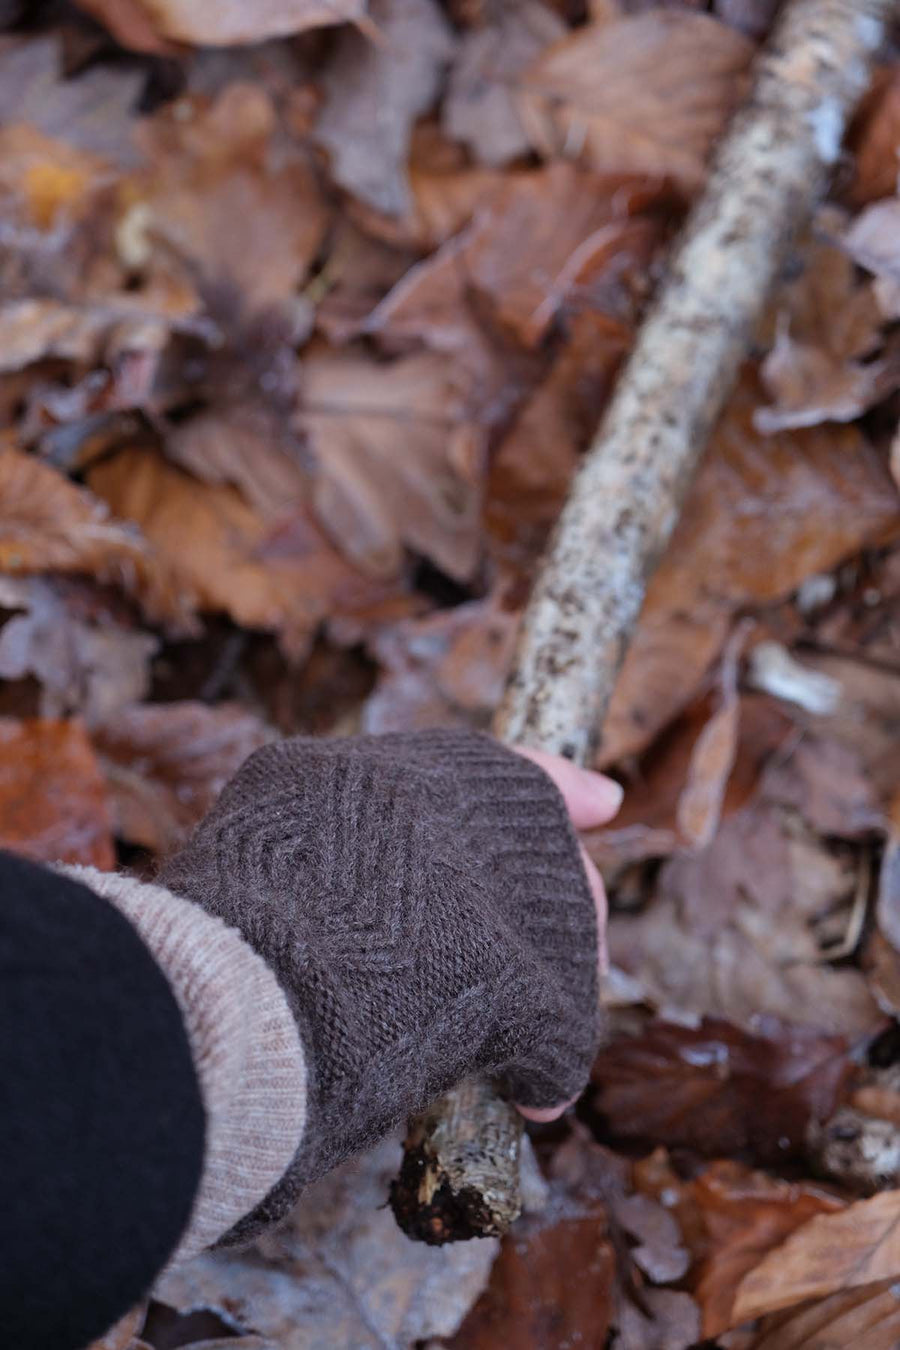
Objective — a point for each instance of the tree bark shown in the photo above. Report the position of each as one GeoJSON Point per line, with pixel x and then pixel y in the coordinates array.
{"type": "Point", "coordinates": [769, 172]}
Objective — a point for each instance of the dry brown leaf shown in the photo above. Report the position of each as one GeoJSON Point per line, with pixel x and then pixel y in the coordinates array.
{"type": "Point", "coordinates": [446, 669]}
{"type": "Point", "coordinates": [868, 1317]}
{"type": "Point", "coordinates": [479, 108]}
{"type": "Point", "coordinates": [224, 199]}
{"type": "Point", "coordinates": [646, 825]}
{"type": "Point", "coordinates": [734, 931]}
{"type": "Point", "coordinates": [374, 88]}
{"type": "Point", "coordinates": [47, 524]}
{"type": "Point", "coordinates": [644, 94]}
{"type": "Point", "coordinates": [85, 661]}
{"type": "Point", "coordinates": [244, 444]}
{"type": "Point", "coordinates": [713, 756]}
{"type": "Point", "coordinates": [400, 460]}
{"type": "Point", "coordinates": [151, 25]}
{"type": "Point", "coordinates": [765, 512]}
{"type": "Point", "coordinates": [532, 1302]}
{"type": "Point", "coordinates": [166, 763]}
{"type": "Point", "coordinates": [874, 139]}
{"type": "Point", "coordinates": [91, 110]}
{"type": "Point", "coordinates": [339, 1273]}
{"type": "Point", "coordinates": [811, 385]}
{"type": "Point", "coordinates": [658, 1249]}
{"type": "Point", "coordinates": [827, 782]}
{"type": "Point", "coordinates": [716, 1089]}
{"type": "Point", "coordinates": [224, 556]}
{"type": "Point", "coordinates": [533, 466]}
{"type": "Point", "coordinates": [537, 239]}
{"type": "Point", "coordinates": [857, 1246]}
{"type": "Point", "coordinates": [46, 182]}
{"type": "Point", "coordinates": [825, 322]}
{"type": "Point", "coordinates": [872, 239]}
{"type": "Point", "coordinates": [745, 1215]}
{"type": "Point", "coordinates": [53, 805]}
{"type": "Point", "coordinates": [862, 717]}
{"type": "Point", "coordinates": [359, 273]}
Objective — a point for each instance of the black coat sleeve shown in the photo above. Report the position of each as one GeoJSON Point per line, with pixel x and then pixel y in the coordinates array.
{"type": "Point", "coordinates": [101, 1118]}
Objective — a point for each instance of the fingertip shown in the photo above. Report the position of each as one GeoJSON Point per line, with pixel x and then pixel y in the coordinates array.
{"type": "Point", "coordinates": [591, 798]}
{"type": "Point", "coordinates": [544, 1115]}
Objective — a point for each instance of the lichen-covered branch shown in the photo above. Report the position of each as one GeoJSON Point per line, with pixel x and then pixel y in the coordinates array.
{"type": "Point", "coordinates": [769, 172]}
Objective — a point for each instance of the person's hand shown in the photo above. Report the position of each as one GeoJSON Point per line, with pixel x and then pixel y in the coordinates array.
{"type": "Point", "coordinates": [424, 903]}
{"type": "Point", "coordinates": [591, 800]}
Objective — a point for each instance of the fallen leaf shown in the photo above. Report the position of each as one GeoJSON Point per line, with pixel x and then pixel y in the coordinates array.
{"type": "Point", "coordinates": [713, 756]}
{"type": "Point", "coordinates": [479, 108]}
{"type": "Point", "coordinates": [745, 1217]}
{"type": "Point", "coordinates": [149, 25]}
{"type": "Point", "coordinates": [91, 110]}
{"type": "Point", "coordinates": [226, 200]}
{"type": "Point", "coordinates": [534, 463]}
{"type": "Point", "coordinates": [223, 555]}
{"type": "Point", "coordinates": [53, 805]}
{"type": "Point", "coordinates": [359, 273]}
{"type": "Point", "coordinates": [733, 932]}
{"type": "Point", "coordinates": [47, 183]}
{"type": "Point", "coordinates": [648, 94]}
{"type": "Point", "coordinates": [86, 663]}
{"type": "Point", "coordinates": [719, 1090]}
{"type": "Point", "coordinates": [764, 513]}
{"type": "Point", "coordinates": [857, 1246]}
{"type": "Point", "coordinates": [339, 1272]}
{"type": "Point", "coordinates": [534, 240]}
{"type": "Point", "coordinates": [48, 524]}
{"type": "Point", "coordinates": [448, 668]}
{"type": "Point", "coordinates": [861, 716]}
{"type": "Point", "coordinates": [852, 1318]}
{"type": "Point", "coordinates": [400, 460]}
{"type": "Point", "coordinates": [826, 321]}
{"type": "Point", "coordinates": [374, 88]}
{"type": "Point", "coordinates": [446, 190]}
{"type": "Point", "coordinates": [658, 1250]}
{"type": "Point", "coordinates": [646, 825]}
{"type": "Point", "coordinates": [165, 764]}
{"type": "Point", "coordinates": [669, 1320]}
{"type": "Point", "coordinates": [244, 444]}
{"type": "Point", "coordinates": [811, 385]}
{"type": "Point", "coordinates": [874, 139]}
{"type": "Point", "coordinates": [827, 782]}
{"type": "Point", "coordinates": [531, 1302]}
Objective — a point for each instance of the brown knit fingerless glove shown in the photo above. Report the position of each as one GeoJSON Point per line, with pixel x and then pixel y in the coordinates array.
{"type": "Point", "coordinates": [422, 901]}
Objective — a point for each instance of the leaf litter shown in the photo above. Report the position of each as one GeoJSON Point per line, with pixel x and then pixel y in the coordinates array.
{"type": "Point", "coordinates": [309, 313]}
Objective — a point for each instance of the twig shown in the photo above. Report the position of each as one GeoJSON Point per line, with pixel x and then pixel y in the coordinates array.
{"type": "Point", "coordinates": [769, 172]}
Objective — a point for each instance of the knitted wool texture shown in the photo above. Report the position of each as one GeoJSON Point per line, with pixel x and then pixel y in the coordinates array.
{"type": "Point", "coordinates": [423, 903]}
{"type": "Point", "coordinates": [244, 1045]}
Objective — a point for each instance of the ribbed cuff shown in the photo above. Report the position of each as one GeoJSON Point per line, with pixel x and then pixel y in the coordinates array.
{"type": "Point", "coordinates": [245, 1045]}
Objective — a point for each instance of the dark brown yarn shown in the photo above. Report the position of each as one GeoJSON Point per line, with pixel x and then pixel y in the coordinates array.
{"type": "Point", "coordinates": [422, 901]}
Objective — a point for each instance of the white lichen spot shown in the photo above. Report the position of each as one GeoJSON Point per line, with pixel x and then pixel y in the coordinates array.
{"type": "Point", "coordinates": [827, 122]}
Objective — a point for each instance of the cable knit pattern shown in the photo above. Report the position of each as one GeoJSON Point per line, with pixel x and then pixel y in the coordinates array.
{"type": "Point", "coordinates": [244, 1042]}
{"type": "Point", "coordinates": [423, 903]}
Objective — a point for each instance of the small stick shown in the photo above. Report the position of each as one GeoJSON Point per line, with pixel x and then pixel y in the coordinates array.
{"type": "Point", "coordinates": [770, 170]}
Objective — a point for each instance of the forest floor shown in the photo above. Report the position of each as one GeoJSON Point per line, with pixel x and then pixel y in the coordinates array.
{"type": "Point", "coordinates": [300, 343]}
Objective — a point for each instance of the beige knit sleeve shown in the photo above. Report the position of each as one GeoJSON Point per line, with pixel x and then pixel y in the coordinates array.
{"type": "Point", "coordinates": [245, 1045]}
